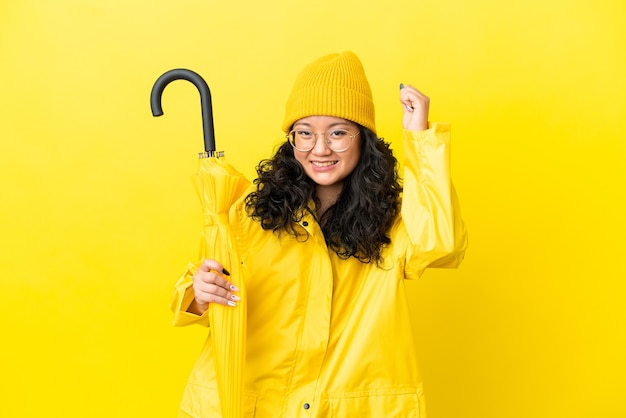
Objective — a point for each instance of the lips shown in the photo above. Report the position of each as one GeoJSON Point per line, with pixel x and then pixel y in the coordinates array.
{"type": "Point", "coordinates": [323, 163]}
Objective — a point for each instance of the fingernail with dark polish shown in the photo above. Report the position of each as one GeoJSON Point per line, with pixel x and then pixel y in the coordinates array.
{"type": "Point", "coordinates": [225, 272]}
{"type": "Point", "coordinates": [401, 86]}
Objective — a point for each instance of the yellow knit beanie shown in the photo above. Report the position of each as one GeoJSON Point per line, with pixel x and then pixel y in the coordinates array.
{"type": "Point", "coordinates": [334, 85]}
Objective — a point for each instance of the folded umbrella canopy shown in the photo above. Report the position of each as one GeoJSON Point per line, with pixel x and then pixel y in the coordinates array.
{"type": "Point", "coordinates": [218, 185]}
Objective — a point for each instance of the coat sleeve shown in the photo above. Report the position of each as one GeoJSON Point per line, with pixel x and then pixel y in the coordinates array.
{"type": "Point", "coordinates": [182, 298]}
{"type": "Point", "coordinates": [430, 208]}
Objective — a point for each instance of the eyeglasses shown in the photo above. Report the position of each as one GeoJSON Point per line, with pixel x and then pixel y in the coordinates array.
{"type": "Point", "coordinates": [338, 140]}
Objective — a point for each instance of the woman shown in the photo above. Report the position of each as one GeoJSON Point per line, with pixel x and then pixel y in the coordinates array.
{"type": "Point", "coordinates": [326, 238]}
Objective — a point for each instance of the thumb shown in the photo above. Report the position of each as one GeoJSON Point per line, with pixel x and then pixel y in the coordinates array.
{"type": "Point", "coordinates": [407, 106]}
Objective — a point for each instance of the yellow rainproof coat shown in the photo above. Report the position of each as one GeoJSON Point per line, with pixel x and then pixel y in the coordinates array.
{"type": "Point", "coordinates": [329, 337]}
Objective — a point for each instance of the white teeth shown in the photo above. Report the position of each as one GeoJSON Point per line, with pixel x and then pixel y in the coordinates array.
{"type": "Point", "coordinates": [323, 164]}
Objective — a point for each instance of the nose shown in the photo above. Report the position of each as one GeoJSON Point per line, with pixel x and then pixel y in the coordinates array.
{"type": "Point", "coordinates": [321, 147]}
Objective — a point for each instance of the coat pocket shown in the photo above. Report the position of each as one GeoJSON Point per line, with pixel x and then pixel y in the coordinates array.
{"type": "Point", "coordinates": [204, 402]}
{"type": "Point", "coordinates": [388, 403]}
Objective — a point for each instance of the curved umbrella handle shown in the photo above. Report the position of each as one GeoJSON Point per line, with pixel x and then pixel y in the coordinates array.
{"type": "Point", "coordinates": [205, 100]}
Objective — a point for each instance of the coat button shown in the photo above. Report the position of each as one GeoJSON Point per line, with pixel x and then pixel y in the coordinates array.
{"type": "Point", "coordinates": [305, 223]}
{"type": "Point", "coordinates": [306, 406]}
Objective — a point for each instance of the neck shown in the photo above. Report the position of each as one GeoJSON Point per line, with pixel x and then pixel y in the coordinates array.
{"type": "Point", "coordinates": [327, 196]}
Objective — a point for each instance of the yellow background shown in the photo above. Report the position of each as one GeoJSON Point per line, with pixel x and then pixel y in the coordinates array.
{"type": "Point", "coordinates": [98, 216]}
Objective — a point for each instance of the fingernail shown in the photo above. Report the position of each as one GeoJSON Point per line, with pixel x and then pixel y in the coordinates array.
{"type": "Point", "coordinates": [233, 287]}
{"type": "Point", "coordinates": [226, 272]}
{"type": "Point", "coordinates": [235, 297]}
{"type": "Point", "coordinates": [231, 303]}
{"type": "Point", "coordinates": [401, 86]}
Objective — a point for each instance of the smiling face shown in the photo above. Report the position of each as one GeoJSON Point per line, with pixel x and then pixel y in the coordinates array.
{"type": "Point", "coordinates": [327, 168]}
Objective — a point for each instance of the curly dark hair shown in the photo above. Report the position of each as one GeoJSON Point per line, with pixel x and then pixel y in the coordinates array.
{"type": "Point", "coordinates": [357, 225]}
